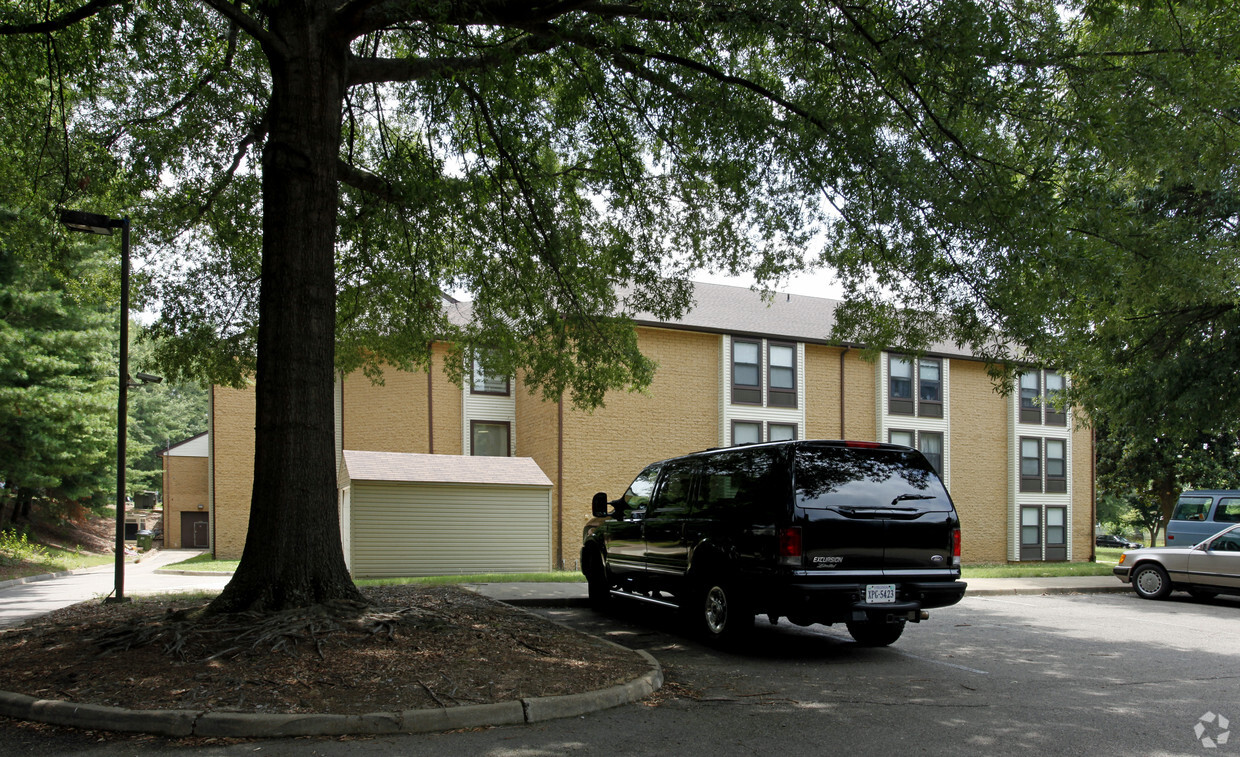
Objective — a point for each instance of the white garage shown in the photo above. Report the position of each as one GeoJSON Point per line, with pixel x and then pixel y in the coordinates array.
{"type": "Point", "coordinates": [429, 515]}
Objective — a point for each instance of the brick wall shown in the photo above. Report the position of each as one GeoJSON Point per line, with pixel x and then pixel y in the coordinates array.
{"type": "Point", "coordinates": [1083, 512]}
{"type": "Point", "coordinates": [232, 442]}
{"type": "Point", "coordinates": [979, 462]}
{"type": "Point", "coordinates": [185, 490]}
{"type": "Point", "coordinates": [678, 414]}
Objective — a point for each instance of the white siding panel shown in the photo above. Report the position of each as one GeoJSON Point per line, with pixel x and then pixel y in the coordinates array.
{"type": "Point", "coordinates": [415, 529]}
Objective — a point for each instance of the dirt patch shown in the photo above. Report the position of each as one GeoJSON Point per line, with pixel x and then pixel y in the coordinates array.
{"type": "Point", "coordinates": [412, 647]}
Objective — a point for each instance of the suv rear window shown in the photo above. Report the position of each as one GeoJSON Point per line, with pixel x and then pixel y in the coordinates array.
{"type": "Point", "coordinates": [866, 478]}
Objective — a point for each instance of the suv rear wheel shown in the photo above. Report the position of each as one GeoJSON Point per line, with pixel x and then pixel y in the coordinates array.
{"type": "Point", "coordinates": [718, 612]}
{"type": "Point", "coordinates": [875, 633]}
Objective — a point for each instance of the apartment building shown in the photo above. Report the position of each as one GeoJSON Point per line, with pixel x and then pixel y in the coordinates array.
{"type": "Point", "coordinates": [736, 369]}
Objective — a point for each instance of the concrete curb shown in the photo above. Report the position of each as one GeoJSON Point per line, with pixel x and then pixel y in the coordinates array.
{"type": "Point", "coordinates": [182, 723]}
{"type": "Point", "coordinates": [1119, 588]}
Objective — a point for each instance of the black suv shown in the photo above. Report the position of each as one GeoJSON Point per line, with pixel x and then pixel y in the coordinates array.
{"type": "Point", "coordinates": [827, 532]}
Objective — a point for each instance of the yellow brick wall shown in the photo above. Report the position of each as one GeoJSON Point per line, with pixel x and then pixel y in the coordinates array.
{"type": "Point", "coordinates": [678, 414]}
{"type": "Point", "coordinates": [393, 416]}
{"type": "Point", "coordinates": [822, 392]}
{"type": "Point", "coordinates": [185, 490]}
{"type": "Point", "coordinates": [387, 417]}
{"type": "Point", "coordinates": [537, 432]}
{"type": "Point", "coordinates": [232, 441]}
{"type": "Point", "coordinates": [860, 400]}
{"type": "Point", "coordinates": [1083, 514]}
{"type": "Point", "coordinates": [979, 459]}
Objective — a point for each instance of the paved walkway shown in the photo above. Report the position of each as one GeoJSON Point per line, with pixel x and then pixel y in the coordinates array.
{"type": "Point", "coordinates": [28, 598]}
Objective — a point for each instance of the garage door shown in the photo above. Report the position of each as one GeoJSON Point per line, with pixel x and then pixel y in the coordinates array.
{"type": "Point", "coordinates": [418, 529]}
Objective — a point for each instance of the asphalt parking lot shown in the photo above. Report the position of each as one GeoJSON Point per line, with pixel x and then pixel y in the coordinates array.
{"type": "Point", "coordinates": [1065, 674]}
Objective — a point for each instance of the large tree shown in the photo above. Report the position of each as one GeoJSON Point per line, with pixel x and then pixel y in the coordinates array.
{"type": "Point", "coordinates": [57, 398]}
{"type": "Point", "coordinates": [320, 171]}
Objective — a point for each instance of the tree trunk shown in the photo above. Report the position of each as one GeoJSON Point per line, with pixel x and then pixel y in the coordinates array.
{"type": "Point", "coordinates": [293, 555]}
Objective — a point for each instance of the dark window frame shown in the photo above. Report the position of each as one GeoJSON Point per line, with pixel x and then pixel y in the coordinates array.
{"type": "Point", "coordinates": [779, 396]}
{"type": "Point", "coordinates": [738, 421]}
{"type": "Point", "coordinates": [1055, 484]}
{"type": "Point", "coordinates": [1053, 415]}
{"type": "Point", "coordinates": [1031, 483]}
{"type": "Point", "coordinates": [746, 394]}
{"type": "Point", "coordinates": [475, 380]}
{"type": "Point", "coordinates": [901, 405]}
{"type": "Point", "coordinates": [474, 423]}
{"type": "Point", "coordinates": [929, 408]}
{"type": "Point", "coordinates": [941, 455]}
{"type": "Point", "coordinates": [796, 430]}
{"type": "Point", "coordinates": [1030, 413]}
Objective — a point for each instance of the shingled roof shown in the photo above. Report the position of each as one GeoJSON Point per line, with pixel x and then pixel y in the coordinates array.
{"type": "Point", "coordinates": [442, 469]}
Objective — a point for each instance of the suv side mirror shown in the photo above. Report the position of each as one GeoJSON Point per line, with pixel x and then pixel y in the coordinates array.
{"type": "Point", "coordinates": [598, 506]}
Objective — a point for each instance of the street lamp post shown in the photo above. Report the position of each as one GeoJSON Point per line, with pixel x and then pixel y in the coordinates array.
{"type": "Point", "coordinates": [94, 223]}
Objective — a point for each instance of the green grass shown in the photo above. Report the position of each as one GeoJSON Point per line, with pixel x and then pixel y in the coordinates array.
{"type": "Point", "coordinates": [206, 562]}
{"type": "Point", "coordinates": [20, 558]}
{"type": "Point", "coordinates": [1040, 569]}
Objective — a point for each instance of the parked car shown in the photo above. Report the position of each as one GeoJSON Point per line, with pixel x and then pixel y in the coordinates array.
{"type": "Point", "coordinates": [1211, 567]}
{"type": "Point", "coordinates": [858, 533]}
{"type": "Point", "coordinates": [1111, 540]}
{"type": "Point", "coordinates": [1201, 513]}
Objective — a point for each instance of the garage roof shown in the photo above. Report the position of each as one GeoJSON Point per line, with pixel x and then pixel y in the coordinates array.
{"type": "Point", "coordinates": [442, 469]}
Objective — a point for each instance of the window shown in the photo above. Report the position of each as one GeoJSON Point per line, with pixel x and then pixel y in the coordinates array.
{"type": "Point", "coordinates": [781, 378]}
{"type": "Point", "coordinates": [1056, 534]}
{"type": "Point", "coordinates": [485, 382]}
{"type": "Point", "coordinates": [489, 438]}
{"type": "Point", "coordinates": [746, 372]}
{"type": "Point", "coordinates": [931, 445]}
{"type": "Point", "coordinates": [1228, 510]}
{"type": "Point", "coordinates": [1031, 533]}
{"type": "Point", "coordinates": [638, 494]}
{"type": "Point", "coordinates": [746, 432]}
{"type": "Point", "coordinates": [781, 432]}
{"type": "Point", "coordinates": [1056, 466]}
{"type": "Point", "coordinates": [907, 438]}
{"type": "Point", "coordinates": [915, 387]}
{"type": "Point", "coordinates": [1030, 465]}
{"type": "Point", "coordinates": [900, 386]}
{"type": "Point", "coordinates": [1055, 416]}
{"type": "Point", "coordinates": [930, 388]}
{"type": "Point", "coordinates": [774, 386]}
{"type": "Point", "coordinates": [1030, 398]}
{"type": "Point", "coordinates": [1040, 393]}
{"type": "Point", "coordinates": [1192, 508]}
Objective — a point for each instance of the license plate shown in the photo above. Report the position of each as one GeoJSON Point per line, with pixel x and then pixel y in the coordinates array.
{"type": "Point", "coordinates": [880, 594]}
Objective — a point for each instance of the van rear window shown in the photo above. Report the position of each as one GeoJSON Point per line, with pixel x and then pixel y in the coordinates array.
{"type": "Point", "coordinates": [1228, 510]}
{"type": "Point", "coordinates": [867, 478]}
{"type": "Point", "coordinates": [1192, 508]}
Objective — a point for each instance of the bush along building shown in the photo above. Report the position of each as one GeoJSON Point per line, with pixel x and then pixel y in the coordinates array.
{"type": "Point", "coordinates": [736, 369]}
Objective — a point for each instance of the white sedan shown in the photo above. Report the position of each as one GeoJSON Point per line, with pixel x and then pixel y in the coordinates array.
{"type": "Point", "coordinates": [1210, 568]}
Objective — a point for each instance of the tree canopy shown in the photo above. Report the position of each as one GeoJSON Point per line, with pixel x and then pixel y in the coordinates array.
{"type": "Point", "coordinates": [311, 175]}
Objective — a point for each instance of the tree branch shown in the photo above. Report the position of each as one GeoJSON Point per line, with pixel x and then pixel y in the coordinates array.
{"type": "Point", "coordinates": [248, 24]}
{"type": "Point", "coordinates": [60, 22]}
{"type": "Point", "coordinates": [375, 70]}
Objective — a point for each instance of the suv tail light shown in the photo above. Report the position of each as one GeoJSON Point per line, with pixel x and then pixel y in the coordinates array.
{"type": "Point", "coordinates": [790, 546]}
{"type": "Point", "coordinates": [955, 547]}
